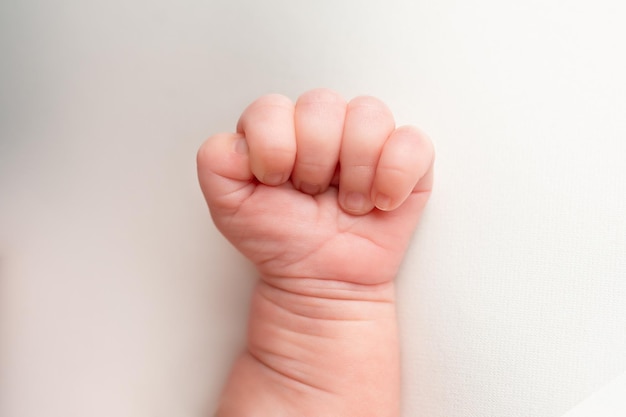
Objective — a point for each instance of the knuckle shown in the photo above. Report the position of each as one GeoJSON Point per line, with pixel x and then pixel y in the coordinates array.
{"type": "Point", "coordinates": [271, 151]}
{"type": "Point", "coordinates": [263, 109]}
{"type": "Point", "coordinates": [320, 95]}
{"type": "Point", "coordinates": [394, 171]}
{"type": "Point", "coordinates": [369, 112]}
{"type": "Point", "coordinates": [314, 169]}
{"type": "Point", "coordinates": [368, 103]}
{"type": "Point", "coordinates": [271, 101]}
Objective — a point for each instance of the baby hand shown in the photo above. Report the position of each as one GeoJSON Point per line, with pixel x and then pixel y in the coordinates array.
{"type": "Point", "coordinates": [322, 189]}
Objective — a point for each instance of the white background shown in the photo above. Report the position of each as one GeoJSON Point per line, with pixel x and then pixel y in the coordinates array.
{"type": "Point", "coordinates": [119, 298]}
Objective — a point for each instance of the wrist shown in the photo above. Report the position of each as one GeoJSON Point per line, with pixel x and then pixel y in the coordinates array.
{"type": "Point", "coordinates": [332, 296]}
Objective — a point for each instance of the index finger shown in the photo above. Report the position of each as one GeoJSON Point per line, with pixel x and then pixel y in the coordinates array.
{"type": "Point", "coordinates": [268, 126]}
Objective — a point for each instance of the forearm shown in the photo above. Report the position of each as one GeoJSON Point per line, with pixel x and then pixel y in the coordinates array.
{"type": "Point", "coordinates": [323, 341]}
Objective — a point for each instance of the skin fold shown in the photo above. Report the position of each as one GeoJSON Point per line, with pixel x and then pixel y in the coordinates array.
{"type": "Point", "coordinates": [322, 196]}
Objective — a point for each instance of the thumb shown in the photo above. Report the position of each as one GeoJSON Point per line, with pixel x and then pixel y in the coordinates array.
{"type": "Point", "coordinates": [224, 172]}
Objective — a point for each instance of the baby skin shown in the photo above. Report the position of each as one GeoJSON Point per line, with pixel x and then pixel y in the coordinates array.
{"type": "Point", "coordinates": [322, 196]}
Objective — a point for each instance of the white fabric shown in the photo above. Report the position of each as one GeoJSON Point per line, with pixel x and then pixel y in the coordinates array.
{"type": "Point", "coordinates": [610, 401]}
{"type": "Point", "coordinates": [119, 298]}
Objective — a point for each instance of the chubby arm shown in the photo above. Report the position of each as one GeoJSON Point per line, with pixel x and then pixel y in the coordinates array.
{"type": "Point", "coordinates": [322, 196]}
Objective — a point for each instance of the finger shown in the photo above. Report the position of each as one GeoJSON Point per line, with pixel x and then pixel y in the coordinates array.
{"type": "Point", "coordinates": [224, 172]}
{"type": "Point", "coordinates": [368, 124]}
{"type": "Point", "coordinates": [405, 159]}
{"type": "Point", "coordinates": [268, 127]}
{"type": "Point", "coordinates": [319, 117]}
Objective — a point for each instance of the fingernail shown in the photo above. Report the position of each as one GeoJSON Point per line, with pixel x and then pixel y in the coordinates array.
{"type": "Point", "coordinates": [241, 146]}
{"type": "Point", "coordinates": [354, 202]}
{"type": "Point", "coordinates": [383, 202]}
{"type": "Point", "coordinates": [309, 188]}
{"type": "Point", "coordinates": [273, 178]}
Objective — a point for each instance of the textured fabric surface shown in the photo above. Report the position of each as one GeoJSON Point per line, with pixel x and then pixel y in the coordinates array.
{"type": "Point", "coordinates": [609, 401]}
{"type": "Point", "coordinates": [118, 297]}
